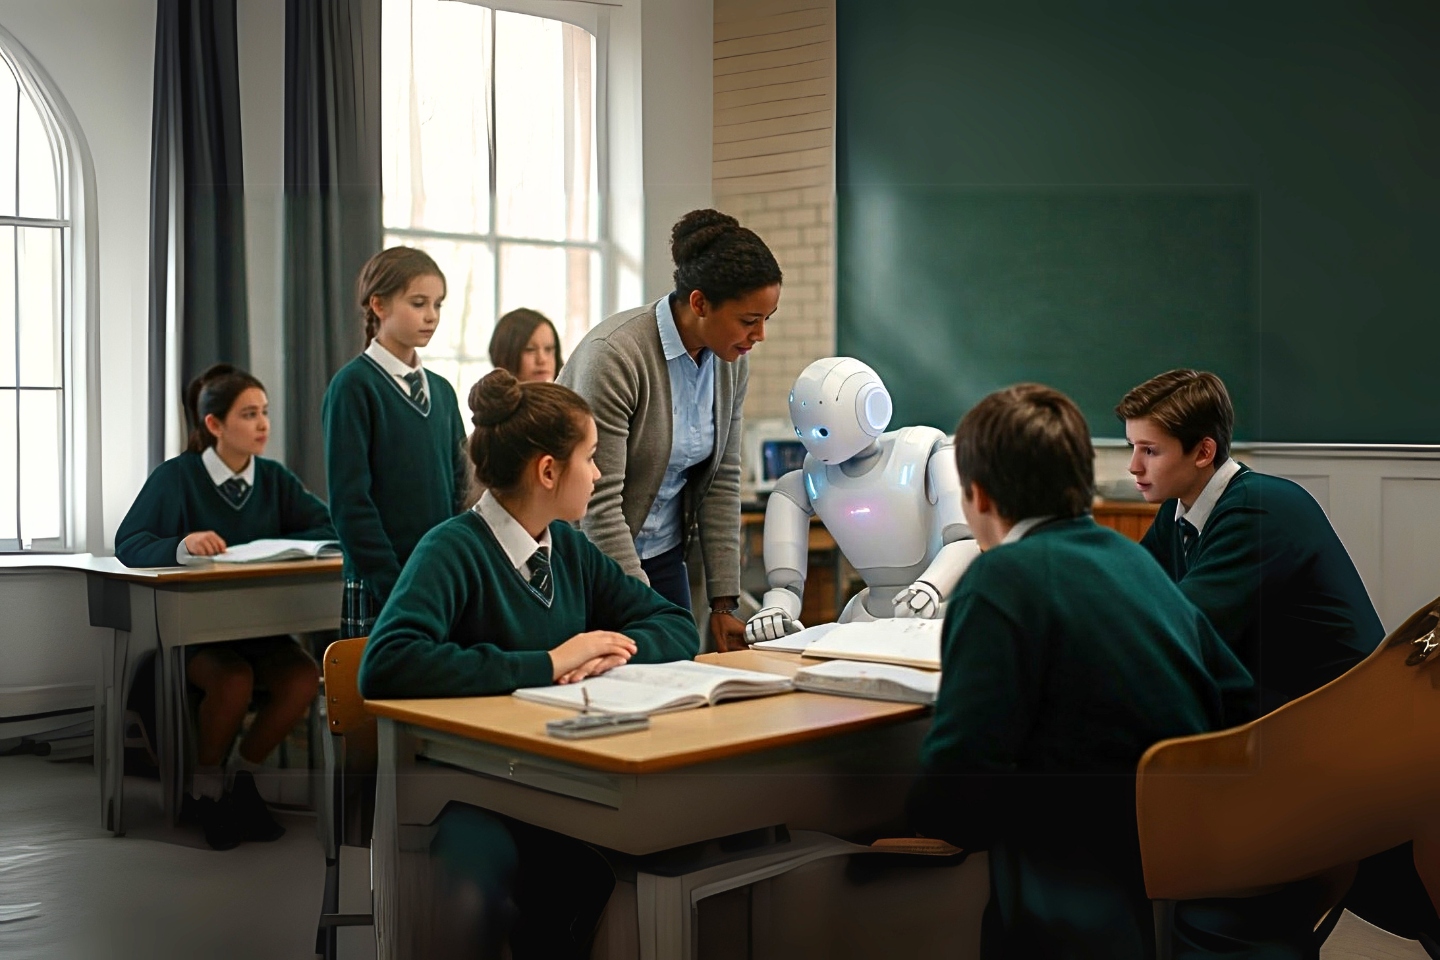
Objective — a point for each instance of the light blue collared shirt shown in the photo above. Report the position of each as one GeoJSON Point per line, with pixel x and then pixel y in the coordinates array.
{"type": "Point", "coordinates": [692, 422]}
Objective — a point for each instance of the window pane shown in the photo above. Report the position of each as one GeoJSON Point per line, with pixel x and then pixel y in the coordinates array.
{"type": "Point", "coordinates": [41, 486]}
{"type": "Point", "coordinates": [561, 282]}
{"type": "Point", "coordinates": [544, 129]}
{"type": "Point", "coordinates": [40, 310]}
{"type": "Point", "coordinates": [39, 177]}
{"type": "Point", "coordinates": [435, 115]}
{"type": "Point", "coordinates": [9, 104]}
{"type": "Point", "coordinates": [468, 313]}
{"type": "Point", "coordinates": [9, 466]}
{"type": "Point", "coordinates": [8, 371]}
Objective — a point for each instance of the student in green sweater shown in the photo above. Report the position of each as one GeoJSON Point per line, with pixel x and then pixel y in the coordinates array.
{"type": "Point", "coordinates": [394, 443]}
{"type": "Point", "coordinates": [1065, 654]}
{"type": "Point", "coordinates": [219, 493]}
{"type": "Point", "coordinates": [1257, 554]}
{"type": "Point", "coordinates": [506, 595]}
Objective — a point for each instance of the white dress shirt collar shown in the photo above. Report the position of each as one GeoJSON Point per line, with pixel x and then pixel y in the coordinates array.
{"type": "Point", "coordinates": [219, 472]}
{"type": "Point", "coordinates": [517, 543]}
{"type": "Point", "coordinates": [1023, 527]}
{"type": "Point", "coordinates": [1205, 503]}
{"type": "Point", "coordinates": [390, 363]}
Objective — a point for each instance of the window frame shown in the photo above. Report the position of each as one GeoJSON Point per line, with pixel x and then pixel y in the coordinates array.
{"type": "Point", "coordinates": [79, 355]}
{"type": "Point", "coordinates": [593, 18]}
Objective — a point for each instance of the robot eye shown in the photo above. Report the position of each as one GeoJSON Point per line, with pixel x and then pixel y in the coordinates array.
{"type": "Point", "coordinates": [797, 431]}
{"type": "Point", "coordinates": [823, 432]}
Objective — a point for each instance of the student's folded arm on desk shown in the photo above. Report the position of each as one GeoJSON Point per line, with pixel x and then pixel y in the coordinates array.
{"type": "Point", "coordinates": [153, 528]}
{"type": "Point", "coordinates": [357, 520]}
{"type": "Point", "coordinates": [662, 631]}
{"type": "Point", "coordinates": [303, 516]}
{"type": "Point", "coordinates": [410, 654]}
{"type": "Point", "coordinates": [610, 383]}
{"type": "Point", "coordinates": [989, 679]}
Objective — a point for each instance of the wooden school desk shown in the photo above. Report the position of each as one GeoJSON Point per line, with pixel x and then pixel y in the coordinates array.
{"type": "Point", "coordinates": [166, 609]}
{"type": "Point", "coordinates": [807, 761]}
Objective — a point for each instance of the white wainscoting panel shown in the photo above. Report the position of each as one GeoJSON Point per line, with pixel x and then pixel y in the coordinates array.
{"type": "Point", "coordinates": [1410, 531]}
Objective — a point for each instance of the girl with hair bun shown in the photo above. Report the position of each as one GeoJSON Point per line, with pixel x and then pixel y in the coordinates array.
{"type": "Point", "coordinates": [394, 441]}
{"type": "Point", "coordinates": [219, 493]}
{"type": "Point", "coordinates": [667, 383]}
{"type": "Point", "coordinates": [506, 595]}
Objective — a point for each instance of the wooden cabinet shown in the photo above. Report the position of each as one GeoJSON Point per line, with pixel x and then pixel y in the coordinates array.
{"type": "Point", "coordinates": [1130, 517]}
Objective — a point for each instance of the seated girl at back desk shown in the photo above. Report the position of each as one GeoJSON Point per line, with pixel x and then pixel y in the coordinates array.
{"type": "Point", "coordinates": [507, 595]}
{"type": "Point", "coordinates": [218, 493]}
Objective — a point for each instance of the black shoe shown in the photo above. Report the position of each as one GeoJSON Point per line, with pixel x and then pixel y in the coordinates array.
{"type": "Point", "coordinates": [217, 820]}
{"type": "Point", "coordinates": [251, 814]}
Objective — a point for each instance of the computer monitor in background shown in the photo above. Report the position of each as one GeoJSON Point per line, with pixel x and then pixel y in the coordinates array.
{"type": "Point", "coordinates": [771, 450]}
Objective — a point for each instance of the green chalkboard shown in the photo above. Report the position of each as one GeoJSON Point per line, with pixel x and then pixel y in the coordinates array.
{"type": "Point", "coordinates": [1088, 194]}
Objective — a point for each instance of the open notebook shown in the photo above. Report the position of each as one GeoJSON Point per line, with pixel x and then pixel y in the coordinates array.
{"type": "Point", "coordinates": [872, 681]}
{"type": "Point", "coordinates": [659, 687]}
{"type": "Point", "coordinates": [910, 643]}
{"type": "Point", "coordinates": [268, 551]}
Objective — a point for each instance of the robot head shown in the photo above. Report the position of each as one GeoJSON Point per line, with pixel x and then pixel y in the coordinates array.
{"type": "Point", "coordinates": [839, 406]}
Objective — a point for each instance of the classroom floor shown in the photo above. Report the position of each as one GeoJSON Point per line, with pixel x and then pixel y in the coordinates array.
{"type": "Point", "coordinates": [69, 890]}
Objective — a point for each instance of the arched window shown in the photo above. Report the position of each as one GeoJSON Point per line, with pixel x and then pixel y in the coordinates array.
{"type": "Point", "coordinates": [37, 309]}
{"type": "Point", "coordinates": [492, 161]}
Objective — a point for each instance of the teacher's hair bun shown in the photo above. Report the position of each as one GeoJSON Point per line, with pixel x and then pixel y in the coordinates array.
{"type": "Point", "coordinates": [697, 231]}
{"type": "Point", "coordinates": [495, 398]}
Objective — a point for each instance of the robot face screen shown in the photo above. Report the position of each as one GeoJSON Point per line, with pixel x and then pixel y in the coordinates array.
{"type": "Point", "coordinates": [839, 406]}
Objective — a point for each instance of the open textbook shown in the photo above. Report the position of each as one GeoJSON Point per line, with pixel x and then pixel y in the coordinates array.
{"type": "Point", "coordinates": [267, 551]}
{"type": "Point", "coordinates": [873, 681]}
{"type": "Point", "coordinates": [908, 642]}
{"type": "Point", "coordinates": [659, 687]}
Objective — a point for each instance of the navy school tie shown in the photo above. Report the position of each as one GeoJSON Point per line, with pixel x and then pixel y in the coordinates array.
{"type": "Point", "coordinates": [1188, 536]}
{"type": "Point", "coordinates": [416, 380]}
{"type": "Point", "coordinates": [540, 572]}
{"type": "Point", "coordinates": [234, 491]}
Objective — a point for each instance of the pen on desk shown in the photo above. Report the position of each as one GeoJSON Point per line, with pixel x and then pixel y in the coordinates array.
{"type": "Point", "coordinates": [585, 698]}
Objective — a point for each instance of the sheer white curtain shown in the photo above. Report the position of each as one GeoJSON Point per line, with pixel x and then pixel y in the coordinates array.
{"type": "Point", "coordinates": [491, 165]}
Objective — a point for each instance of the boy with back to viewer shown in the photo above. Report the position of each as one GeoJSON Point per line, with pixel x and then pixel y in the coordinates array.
{"type": "Point", "coordinates": [1066, 653]}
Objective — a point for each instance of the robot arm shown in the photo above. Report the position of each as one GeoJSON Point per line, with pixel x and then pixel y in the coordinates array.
{"type": "Point", "coordinates": [925, 597]}
{"type": "Point", "coordinates": [787, 555]}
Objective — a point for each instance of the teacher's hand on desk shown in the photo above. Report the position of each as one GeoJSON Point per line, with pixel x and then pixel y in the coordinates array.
{"type": "Point", "coordinates": [725, 627]}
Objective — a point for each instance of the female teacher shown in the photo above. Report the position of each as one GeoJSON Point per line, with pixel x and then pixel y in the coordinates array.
{"type": "Point", "coordinates": [667, 383]}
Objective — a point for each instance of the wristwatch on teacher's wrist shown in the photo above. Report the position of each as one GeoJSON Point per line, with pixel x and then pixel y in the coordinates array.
{"type": "Point", "coordinates": [724, 605]}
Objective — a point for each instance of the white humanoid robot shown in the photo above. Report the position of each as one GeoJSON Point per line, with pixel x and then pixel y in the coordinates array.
{"type": "Point", "coordinates": [890, 500]}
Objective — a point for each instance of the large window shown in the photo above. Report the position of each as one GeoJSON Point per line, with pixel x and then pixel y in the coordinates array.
{"type": "Point", "coordinates": [35, 303]}
{"type": "Point", "coordinates": [491, 164]}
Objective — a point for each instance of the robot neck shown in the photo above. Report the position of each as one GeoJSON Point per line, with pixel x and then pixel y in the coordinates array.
{"type": "Point", "coordinates": [860, 464]}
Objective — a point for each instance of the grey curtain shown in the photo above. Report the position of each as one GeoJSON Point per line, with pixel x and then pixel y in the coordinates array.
{"type": "Point", "coordinates": [197, 198]}
{"type": "Point", "coordinates": [332, 204]}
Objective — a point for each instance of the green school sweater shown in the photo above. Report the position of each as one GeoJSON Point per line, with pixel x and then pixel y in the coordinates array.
{"type": "Point", "coordinates": [393, 471]}
{"type": "Point", "coordinates": [1275, 580]}
{"type": "Point", "coordinates": [179, 499]}
{"type": "Point", "coordinates": [462, 622]}
{"type": "Point", "coordinates": [1065, 655]}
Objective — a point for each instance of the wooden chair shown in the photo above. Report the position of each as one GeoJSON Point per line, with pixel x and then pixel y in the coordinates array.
{"type": "Point", "coordinates": [348, 808]}
{"type": "Point", "coordinates": [1344, 772]}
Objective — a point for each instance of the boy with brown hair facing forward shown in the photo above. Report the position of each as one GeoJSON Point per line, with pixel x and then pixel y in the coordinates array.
{"type": "Point", "coordinates": [1065, 654]}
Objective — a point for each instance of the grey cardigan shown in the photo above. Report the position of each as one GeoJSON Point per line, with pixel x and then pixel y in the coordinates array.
{"type": "Point", "coordinates": [620, 370]}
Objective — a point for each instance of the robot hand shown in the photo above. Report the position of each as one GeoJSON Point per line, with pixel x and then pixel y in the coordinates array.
{"type": "Point", "coordinates": [777, 617]}
{"type": "Point", "coordinates": [920, 600]}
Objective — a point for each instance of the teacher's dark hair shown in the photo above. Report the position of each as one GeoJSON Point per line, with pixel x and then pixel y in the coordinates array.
{"type": "Point", "coordinates": [720, 258]}
{"type": "Point", "coordinates": [214, 391]}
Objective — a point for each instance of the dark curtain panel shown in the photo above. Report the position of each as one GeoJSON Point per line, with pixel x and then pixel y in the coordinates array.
{"type": "Point", "coordinates": [332, 204]}
{"type": "Point", "coordinates": [197, 198]}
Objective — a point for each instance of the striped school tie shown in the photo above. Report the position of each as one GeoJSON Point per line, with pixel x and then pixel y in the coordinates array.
{"type": "Point", "coordinates": [540, 572]}
{"type": "Point", "coordinates": [234, 491]}
{"type": "Point", "coordinates": [1188, 536]}
{"type": "Point", "coordinates": [416, 380]}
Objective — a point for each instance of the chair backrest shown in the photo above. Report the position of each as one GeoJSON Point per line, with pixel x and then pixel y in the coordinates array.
{"type": "Point", "coordinates": [1346, 771]}
{"type": "Point", "coordinates": [343, 704]}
